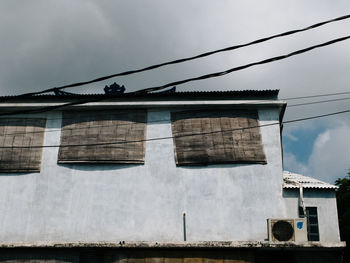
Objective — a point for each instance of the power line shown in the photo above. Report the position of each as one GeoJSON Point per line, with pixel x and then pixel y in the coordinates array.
{"type": "Point", "coordinates": [51, 108]}
{"type": "Point", "coordinates": [228, 71]}
{"type": "Point", "coordinates": [316, 102]}
{"type": "Point", "coordinates": [315, 96]}
{"type": "Point", "coordinates": [207, 76]}
{"type": "Point", "coordinates": [179, 136]}
{"type": "Point", "coordinates": [153, 121]}
{"type": "Point", "coordinates": [316, 117]}
{"type": "Point", "coordinates": [291, 98]}
{"type": "Point", "coordinates": [188, 58]}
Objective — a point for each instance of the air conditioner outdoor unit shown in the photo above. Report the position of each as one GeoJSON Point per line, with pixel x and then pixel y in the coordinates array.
{"type": "Point", "coordinates": [287, 229]}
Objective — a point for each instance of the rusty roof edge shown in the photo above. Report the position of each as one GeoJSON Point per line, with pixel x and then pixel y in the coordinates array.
{"type": "Point", "coordinates": [184, 244]}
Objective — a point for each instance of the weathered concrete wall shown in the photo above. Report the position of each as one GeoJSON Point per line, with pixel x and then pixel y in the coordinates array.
{"type": "Point", "coordinates": [90, 203]}
{"type": "Point", "coordinates": [326, 204]}
{"type": "Point", "coordinates": [178, 255]}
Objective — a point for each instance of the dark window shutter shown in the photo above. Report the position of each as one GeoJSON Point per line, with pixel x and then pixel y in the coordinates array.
{"type": "Point", "coordinates": [312, 223]}
{"type": "Point", "coordinates": [217, 136]}
{"type": "Point", "coordinates": [96, 131]}
{"type": "Point", "coordinates": [26, 136]}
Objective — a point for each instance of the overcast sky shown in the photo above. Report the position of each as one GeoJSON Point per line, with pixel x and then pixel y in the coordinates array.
{"type": "Point", "coordinates": [50, 43]}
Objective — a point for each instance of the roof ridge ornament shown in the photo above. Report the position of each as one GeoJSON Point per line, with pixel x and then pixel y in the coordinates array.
{"type": "Point", "coordinates": [114, 89]}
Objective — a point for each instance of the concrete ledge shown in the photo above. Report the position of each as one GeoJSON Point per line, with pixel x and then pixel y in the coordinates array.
{"type": "Point", "coordinates": [204, 244]}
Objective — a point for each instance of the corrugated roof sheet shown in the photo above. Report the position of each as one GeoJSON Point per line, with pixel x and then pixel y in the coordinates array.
{"type": "Point", "coordinates": [238, 93]}
{"type": "Point", "coordinates": [293, 180]}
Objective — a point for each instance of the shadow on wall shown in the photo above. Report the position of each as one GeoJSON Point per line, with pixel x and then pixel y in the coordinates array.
{"type": "Point", "coordinates": [197, 167]}
{"type": "Point", "coordinates": [309, 193]}
{"type": "Point", "coordinates": [16, 174]}
{"type": "Point", "coordinates": [99, 167]}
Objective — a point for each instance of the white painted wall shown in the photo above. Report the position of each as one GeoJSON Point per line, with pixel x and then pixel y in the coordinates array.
{"type": "Point", "coordinates": [90, 203]}
{"type": "Point", "coordinates": [326, 204]}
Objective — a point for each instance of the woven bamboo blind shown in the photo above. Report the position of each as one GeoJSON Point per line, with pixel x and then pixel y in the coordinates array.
{"type": "Point", "coordinates": [95, 131]}
{"type": "Point", "coordinates": [19, 133]}
{"type": "Point", "coordinates": [217, 137]}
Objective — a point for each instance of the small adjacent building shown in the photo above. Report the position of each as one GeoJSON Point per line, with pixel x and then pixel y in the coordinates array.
{"type": "Point", "coordinates": [319, 201]}
{"type": "Point", "coordinates": [171, 177]}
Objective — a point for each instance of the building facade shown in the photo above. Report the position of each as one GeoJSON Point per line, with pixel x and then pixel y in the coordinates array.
{"type": "Point", "coordinates": [153, 176]}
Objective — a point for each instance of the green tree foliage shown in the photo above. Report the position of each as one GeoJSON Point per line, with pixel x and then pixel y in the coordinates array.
{"type": "Point", "coordinates": [343, 203]}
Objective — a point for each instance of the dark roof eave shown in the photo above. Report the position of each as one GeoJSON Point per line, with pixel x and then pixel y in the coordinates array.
{"type": "Point", "coordinates": [236, 94]}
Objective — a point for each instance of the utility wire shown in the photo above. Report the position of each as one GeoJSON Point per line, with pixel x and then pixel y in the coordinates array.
{"type": "Point", "coordinates": [315, 96]}
{"type": "Point", "coordinates": [153, 121]}
{"type": "Point", "coordinates": [51, 108]}
{"type": "Point", "coordinates": [179, 136]}
{"type": "Point", "coordinates": [316, 102]}
{"type": "Point", "coordinates": [291, 98]}
{"type": "Point", "coordinates": [207, 76]}
{"type": "Point", "coordinates": [228, 71]}
{"type": "Point", "coordinates": [188, 58]}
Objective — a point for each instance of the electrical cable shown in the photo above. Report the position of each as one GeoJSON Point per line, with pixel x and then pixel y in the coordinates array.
{"type": "Point", "coordinates": [188, 58]}
{"type": "Point", "coordinates": [291, 98]}
{"type": "Point", "coordinates": [315, 96]}
{"type": "Point", "coordinates": [153, 121]}
{"type": "Point", "coordinates": [228, 71]}
{"type": "Point", "coordinates": [51, 108]}
{"type": "Point", "coordinates": [207, 76]}
{"type": "Point", "coordinates": [316, 102]}
{"type": "Point", "coordinates": [179, 136]}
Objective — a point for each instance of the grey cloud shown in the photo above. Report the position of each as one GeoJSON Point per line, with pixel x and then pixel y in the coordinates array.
{"type": "Point", "coordinates": [51, 43]}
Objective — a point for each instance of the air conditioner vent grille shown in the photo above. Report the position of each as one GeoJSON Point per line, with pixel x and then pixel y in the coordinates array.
{"type": "Point", "coordinates": [283, 230]}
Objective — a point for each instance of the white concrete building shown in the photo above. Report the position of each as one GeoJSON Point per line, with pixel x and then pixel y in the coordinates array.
{"type": "Point", "coordinates": [152, 192]}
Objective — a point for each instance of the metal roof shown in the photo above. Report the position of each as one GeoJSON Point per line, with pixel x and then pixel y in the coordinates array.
{"type": "Point", "coordinates": [293, 180]}
{"type": "Point", "coordinates": [184, 94]}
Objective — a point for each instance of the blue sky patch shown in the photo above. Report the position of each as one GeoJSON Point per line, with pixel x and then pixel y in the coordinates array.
{"type": "Point", "coordinates": [302, 147]}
